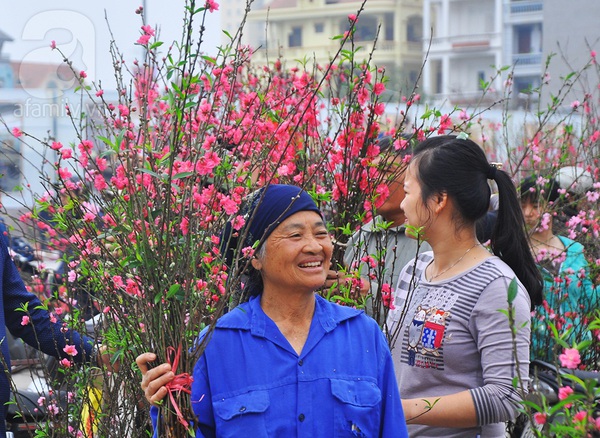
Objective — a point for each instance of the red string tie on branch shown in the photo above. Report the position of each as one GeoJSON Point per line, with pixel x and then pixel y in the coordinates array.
{"type": "Point", "coordinates": [181, 382]}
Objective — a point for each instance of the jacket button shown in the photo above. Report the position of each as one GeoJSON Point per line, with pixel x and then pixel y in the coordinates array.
{"type": "Point", "coordinates": [301, 417]}
{"type": "Point", "coordinates": [300, 362]}
{"type": "Point", "coordinates": [243, 408]}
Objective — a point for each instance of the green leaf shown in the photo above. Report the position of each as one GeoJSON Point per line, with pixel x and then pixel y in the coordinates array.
{"type": "Point", "coordinates": [173, 290]}
{"type": "Point", "coordinates": [512, 290]}
{"type": "Point", "coordinates": [105, 140]}
{"type": "Point", "coordinates": [149, 172]}
{"type": "Point", "coordinates": [181, 175]}
{"type": "Point", "coordinates": [156, 45]}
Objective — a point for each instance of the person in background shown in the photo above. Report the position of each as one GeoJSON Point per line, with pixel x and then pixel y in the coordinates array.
{"type": "Point", "coordinates": [570, 297]}
{"type": "Point", "coordinates": [457, 359]}
{"type": "Point", "coordinates": [288, 363]}
{"type": "Point", "coordinates": [36, 327]}
{"type": "Point", "coordinates": [383, 238]}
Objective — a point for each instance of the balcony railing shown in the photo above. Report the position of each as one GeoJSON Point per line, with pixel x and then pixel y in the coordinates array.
{"type": "Point", "coordinates": [387, 50]}
{"type": "Point", "coordinates": [527, 58]}
{"type": "Point", "coordinates": [467, 40]}
{"type": "Point", "coordinates": [524, 7]}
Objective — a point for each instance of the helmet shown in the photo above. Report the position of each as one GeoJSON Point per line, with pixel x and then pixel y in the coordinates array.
{"type": "Point", "coordinates": [574, 179]}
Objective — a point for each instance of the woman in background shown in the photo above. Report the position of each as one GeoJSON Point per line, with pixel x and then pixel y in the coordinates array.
{"type": "Point", "coordinates": [570, 298]}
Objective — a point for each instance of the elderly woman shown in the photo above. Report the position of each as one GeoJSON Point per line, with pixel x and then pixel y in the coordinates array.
{"type": "Point", "coordinates": [287, 362]}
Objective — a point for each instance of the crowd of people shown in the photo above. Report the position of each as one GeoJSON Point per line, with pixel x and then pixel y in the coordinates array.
{"type": "Point", "coordinates": [455, 357]}
{"type": "Point", "coordinates": [443, 358]}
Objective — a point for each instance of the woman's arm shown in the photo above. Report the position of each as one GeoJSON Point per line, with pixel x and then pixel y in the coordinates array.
{"type": "Point", "coordinates": [455, 410]}
{"type": "Point", "coordinates": [496, 400]}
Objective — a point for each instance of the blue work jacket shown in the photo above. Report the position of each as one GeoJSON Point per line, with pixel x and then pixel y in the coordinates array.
{"type": "Point", "coordinates": [250, 381]}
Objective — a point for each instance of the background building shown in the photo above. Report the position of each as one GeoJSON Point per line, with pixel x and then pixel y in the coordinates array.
{"type": "Point", "coordinates": [33, 99]}
{"type": "Point", "coordinates": [463, 42]}
{"type": "Point", "coordinates": [571, 32]}
{"type": "Point", "coordinates": [523, 47]}
{"type": "Point", "coordinates": [303, 30]}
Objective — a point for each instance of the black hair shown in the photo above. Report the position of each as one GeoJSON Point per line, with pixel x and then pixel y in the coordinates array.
{"type": "Point", "coordinates": [535, 189]}
{"type": "Point", "coordinates": [459, 168]}
{"type": "Point", "coordinates": [391, 154]}
{"type": "Point", "coordinates": [241, 266]}
{"type": "Point", "coordinates": [386, 145]}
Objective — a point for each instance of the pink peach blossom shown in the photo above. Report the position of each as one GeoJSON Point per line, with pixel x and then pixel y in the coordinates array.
{"type": "Point", "coordinates": [71, 350]}
{"type": "Point", "coordinates": [570, 358]}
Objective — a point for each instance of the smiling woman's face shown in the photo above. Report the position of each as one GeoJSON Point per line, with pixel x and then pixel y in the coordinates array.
{"type": "Point", "coordinates": [297, 254]}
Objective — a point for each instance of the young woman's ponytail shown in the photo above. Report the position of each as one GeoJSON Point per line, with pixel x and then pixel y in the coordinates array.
{"type": "Point", "coordinates": [509, 240]}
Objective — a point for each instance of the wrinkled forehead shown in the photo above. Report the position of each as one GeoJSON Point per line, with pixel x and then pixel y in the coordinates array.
{"type": "Point", "coordinates": [302, 220]}
{"type": "Point", "coordinates": [303, 217]}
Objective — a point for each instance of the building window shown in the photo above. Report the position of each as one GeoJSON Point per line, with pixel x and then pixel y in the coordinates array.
{"type": "Point", "coordinates": [525, 84]}
{"type": "Point", "coordinates": [10, 164]}
{"type": "Point", "coordinates": [389, 27]}
{"type": "Point", "coordinates": [481, 79]}
{"type": "Point", "coordinates": [295, 37]}
{"type": "Point", "coordinates": [523, 34]}
{"type": "Point", "coordinates": [528, 38]}
{"type": "Point", "coordinates": [319, 27]}
{"type": "Point", "coordinates": [414, 29]}
{"type": "Point", "coordinates": [366, 29]}
{"type": "Point", "coordinates": [412, 77]}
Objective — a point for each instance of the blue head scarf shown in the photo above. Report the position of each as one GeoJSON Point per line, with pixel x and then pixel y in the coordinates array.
{"type": "Point", "coordinates": [270, 206]}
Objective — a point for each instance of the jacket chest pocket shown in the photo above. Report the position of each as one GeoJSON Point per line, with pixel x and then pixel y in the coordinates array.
{"type": "Point", "coordinates": [242, 415]}
{"type": "Point", "coordinates": [357, 409]}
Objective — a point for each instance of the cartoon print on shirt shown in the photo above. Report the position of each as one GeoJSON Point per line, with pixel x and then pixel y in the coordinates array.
{"type": "Point", "coordinates": [416, 328]}
{"type": "Point", "coordinates": [433, 331]}
{"type": "Point", "coordinates": [425, 336]}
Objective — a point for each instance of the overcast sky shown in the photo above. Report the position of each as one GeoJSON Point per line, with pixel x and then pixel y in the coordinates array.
{"type": "Point", "coordinates": [81, 30]}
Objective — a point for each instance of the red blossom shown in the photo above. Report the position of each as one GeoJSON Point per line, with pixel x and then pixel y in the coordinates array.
{"type": "Point", "coordinates": [212, 5]}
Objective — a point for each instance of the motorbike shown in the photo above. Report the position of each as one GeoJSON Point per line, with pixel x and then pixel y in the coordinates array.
{"type": "Point", "coordinates": [23, 413]}
{"type": "Point", "coordinates": [28, 366]}
{"type": "Point", "coordinates": [32, 372]}
{"type": "Point", "coordinates": [545, 382]}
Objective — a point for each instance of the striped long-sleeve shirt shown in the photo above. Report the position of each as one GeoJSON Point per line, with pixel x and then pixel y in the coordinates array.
{"type": "Point", "coordinates": [453, 337]}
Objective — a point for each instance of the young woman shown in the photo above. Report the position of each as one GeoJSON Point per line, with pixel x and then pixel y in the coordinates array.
{"type": "Point", "coordinates": [569, 294]}
{"type": "Point", "coordinates": [455, 354]}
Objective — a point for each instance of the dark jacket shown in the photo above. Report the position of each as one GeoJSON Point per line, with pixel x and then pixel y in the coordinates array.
{"type": "Point", "coordinates": [40, 332]}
